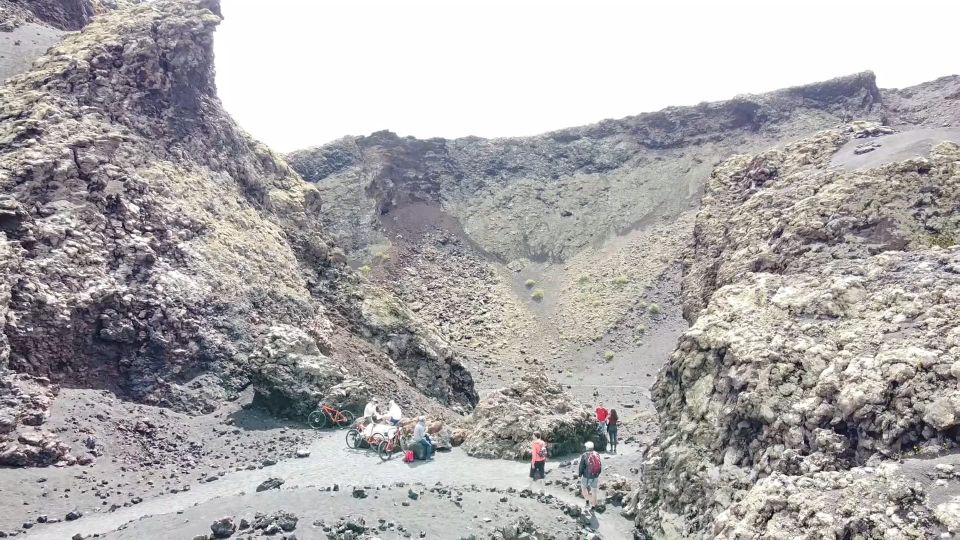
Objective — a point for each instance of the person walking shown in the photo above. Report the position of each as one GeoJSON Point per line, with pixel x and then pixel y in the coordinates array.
{"type": "Point", "coordinates": [589, 473]}
{"type": "Point", "coordinates": [538, 460]}
{"type": "Point", "coordinates": [612, 422]}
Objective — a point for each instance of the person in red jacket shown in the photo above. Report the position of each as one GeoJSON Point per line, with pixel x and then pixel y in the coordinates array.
{"type": "Point", "coordinates": [602, 414]}
{"type": "Point", "coordinates": [538, 451]}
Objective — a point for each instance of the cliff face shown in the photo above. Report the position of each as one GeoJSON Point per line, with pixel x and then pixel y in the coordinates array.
{"type": "Point", "coordinates": [148, 243]}
{"type": "Point", "coordinates": [550, 196]}
{"type": "Point", "coordinates": [824, 346]}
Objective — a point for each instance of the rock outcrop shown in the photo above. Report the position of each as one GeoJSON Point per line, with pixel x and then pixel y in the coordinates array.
{"type": "Point", "coordinates": [503, 423]}
{"type": "Point", "coordinates": [148, 243]}
{"type": "Point", "coordinates": [824, 342]}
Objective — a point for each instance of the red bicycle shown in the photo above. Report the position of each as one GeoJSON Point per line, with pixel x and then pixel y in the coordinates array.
{"type": "Point", "coordinates": [392, 444]}
{"type": "Point", "coordinates": [328, 415]}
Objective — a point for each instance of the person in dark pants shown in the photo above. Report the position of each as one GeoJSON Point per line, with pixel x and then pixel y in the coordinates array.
{"type": "Point", "coordinates": [538, 461]}
{"type": "Point", "coordinates": [612, 421]}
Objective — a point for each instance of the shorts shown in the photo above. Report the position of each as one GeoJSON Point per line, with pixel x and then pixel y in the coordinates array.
{"type": "Point", "coordinates": [590, 483]}
{"type": "Point", "coordinates": [536, 470]}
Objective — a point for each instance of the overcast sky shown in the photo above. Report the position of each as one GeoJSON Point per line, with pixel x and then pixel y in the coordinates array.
{"type": "Point", "coordinates": [298, 73]}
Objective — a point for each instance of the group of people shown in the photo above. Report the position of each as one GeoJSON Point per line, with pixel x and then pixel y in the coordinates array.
{"type": "Point", "coordinates": [590, 462]}
{"type": "Point", "coordinates": [420, 443]}
{"type": "Point", "coordinates": [607, 421]}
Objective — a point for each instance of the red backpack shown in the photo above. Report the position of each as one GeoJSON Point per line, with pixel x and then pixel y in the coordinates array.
{"type": "Point", "coordinates": [593, 465]}
{"type": "Point", "coordinates": [408, 456]}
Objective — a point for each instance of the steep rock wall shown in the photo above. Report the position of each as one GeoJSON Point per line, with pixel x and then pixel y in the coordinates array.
{"type": "Point", "coordinates": [824, 342]}
{"type": "Point", "coordinates": [148, 241]}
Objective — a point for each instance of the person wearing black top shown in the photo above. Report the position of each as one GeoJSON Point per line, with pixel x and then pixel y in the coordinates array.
{"type": "Point", "coordinates": [612, 422]}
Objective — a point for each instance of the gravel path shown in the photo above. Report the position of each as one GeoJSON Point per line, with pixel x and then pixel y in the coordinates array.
{"type": "Point", "coordinates": [330, 462]}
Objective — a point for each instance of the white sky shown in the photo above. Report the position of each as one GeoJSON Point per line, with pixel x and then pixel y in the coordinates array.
{"type": "Point", "coordinates": [298, 73]}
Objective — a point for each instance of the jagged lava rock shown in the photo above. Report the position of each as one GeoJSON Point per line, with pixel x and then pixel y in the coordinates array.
{"type": "Point", "coordinates": [503, 423]}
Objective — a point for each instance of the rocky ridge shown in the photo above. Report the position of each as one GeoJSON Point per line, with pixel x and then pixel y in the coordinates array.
{"type": "Point", "coordinates": [149, 242]}
{"type": "Point", "coordinates": [822, 349]}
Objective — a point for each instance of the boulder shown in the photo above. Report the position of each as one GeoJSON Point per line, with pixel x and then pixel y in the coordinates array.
{"type": "Point", "coordinates": [290, 375]}
{"type": "Point", "coordinates": [503, 423]}
{"type": "Point", "coordinates": [223, 527]}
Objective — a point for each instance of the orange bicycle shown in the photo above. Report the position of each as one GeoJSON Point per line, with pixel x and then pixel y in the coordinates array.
{"type": "Point", "coordinates": [327, 415]}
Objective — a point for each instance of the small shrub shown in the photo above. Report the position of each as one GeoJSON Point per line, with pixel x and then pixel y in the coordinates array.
{"type": "Point", "coordinates": [654, 309]}
{"type": "Point", "coordinates": [365, 269]}
{"type": "Point", "coordinates": [530, 283]}
{"type": "Point", "coordinates": [608, 356]}
{"type": "Point", "coordinates": [583, 279]}
{"type": "Point", "coordinates": [537, 295]}
{"type": "Point", "coordinates": [640, 329]}
{"type": "Point", "coordinates": [621, 280]}
{"type": "Point", "coordinates": [941, 240]}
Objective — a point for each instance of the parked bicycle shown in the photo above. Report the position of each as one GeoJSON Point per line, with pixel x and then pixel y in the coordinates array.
{"type": "Point", "coordinates": [396, 442]}
{"type": "Point", "coordinates": [327, 415]}
{"type": "Point", "coordinates": [356, 438]}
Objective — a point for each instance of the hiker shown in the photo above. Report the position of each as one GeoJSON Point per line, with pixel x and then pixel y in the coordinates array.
{"type": "Point", "coordinates": [612, 422]}
{"type": "Point", "coordinates": [394, 414]}
{"type": "Point", "coordinates": [538, 461]}
{"type": "Point", "coordinates": [589, 474]}
{"type": "Point", "coordinates": [602, 414]}
{"type": "Point", "coordinates": [422, 439]}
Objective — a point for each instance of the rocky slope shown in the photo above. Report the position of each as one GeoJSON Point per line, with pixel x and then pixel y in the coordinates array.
{"type": "Point", "coordinates": [824, 347]}
{"type": "Point", "coordinates": [151, 247]}
{"type": "Point", "coordinates": [593, 215]}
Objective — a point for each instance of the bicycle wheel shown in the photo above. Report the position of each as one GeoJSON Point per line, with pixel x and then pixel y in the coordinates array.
{"type": "Point", "coordinates": [317, 419]}
{"type": "Point", "coordinates": [385, 449]}
{"type": "Point", "coordinates": [344, 418]}
{"type": "Point", "coordinates": [352, 437]}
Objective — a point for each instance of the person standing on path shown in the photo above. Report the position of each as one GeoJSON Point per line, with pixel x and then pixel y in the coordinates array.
{"type": "Point", "coordinates": [589, 473]}
{"type": "Point", "coordinates": [612, 422]}
{"type": "Point", "coordinates": [538, 461]}
{"type": "Point", "coordinates": [602, 415]}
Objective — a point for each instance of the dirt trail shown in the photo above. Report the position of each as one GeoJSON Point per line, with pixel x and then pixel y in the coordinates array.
{"type": "Point", "coordinates": [330, 462]}
{"type": "Point", "coordinates": [896, 147]}
{"type": "Point", "coordinates": [19, 48]}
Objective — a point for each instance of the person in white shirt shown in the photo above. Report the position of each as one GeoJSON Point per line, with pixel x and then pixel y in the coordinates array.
{"type": "Point", "coordinates": [370, 411]}
{"type": "Point", "coordinates": [394, 414]}
{"type": "Point", "coordinates": [420, 437]}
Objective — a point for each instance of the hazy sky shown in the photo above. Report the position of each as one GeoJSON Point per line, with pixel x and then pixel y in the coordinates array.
{"type": "Point", "coordinates": [299, 73]}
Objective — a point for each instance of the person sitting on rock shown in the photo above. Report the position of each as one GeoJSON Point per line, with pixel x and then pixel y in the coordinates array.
{"type": "Point", "coordinates": [538, 461]}
{"type": "Point", "coordinates": [589, 473]}
{"type": "Point", "coordinates": [422, 439]}
{"type": "Point", "coordinates": [394, 414]}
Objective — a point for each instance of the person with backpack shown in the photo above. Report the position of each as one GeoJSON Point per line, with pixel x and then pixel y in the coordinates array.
{"type": "Point", "coordinates": [538, 460]}
{"type": "Point", "coordinates": [612, 421]}
{"type": "Point", "coordinates": [589, 474]}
